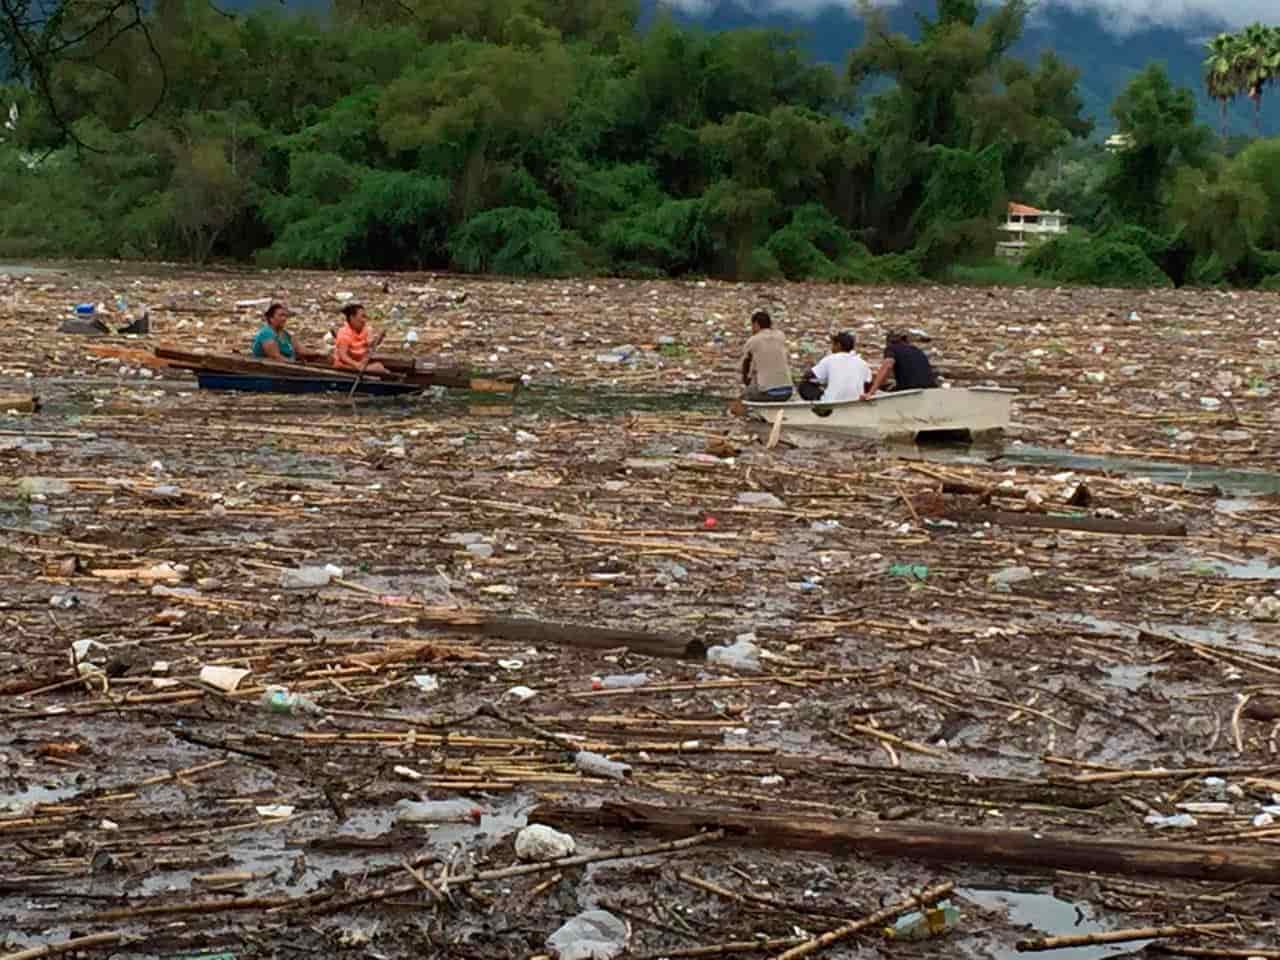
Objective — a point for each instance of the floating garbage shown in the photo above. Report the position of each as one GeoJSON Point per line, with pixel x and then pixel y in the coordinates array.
{"type": "Point", "coordinates": [594, 935]}
{"type": "Point", "coordinates": [438, 811]}
{"type": "Point", "coordinates": [537, 842]}
{"type": "Point", "coordinates": [743, 656]}
{"type": "Point", "coordinates": [594, 765]}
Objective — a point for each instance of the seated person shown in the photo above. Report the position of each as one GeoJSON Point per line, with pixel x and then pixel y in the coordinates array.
{"type": "Point", "coordinates": [766, 366]}
{"type": "Point", "coordinates": [273, 341]}
{"type": "Point", "coordinates": [843, 373]}
{"type": "Point", "coordinates": [351, 346]}
{"type": "Point", "coordinates": [910, 367]}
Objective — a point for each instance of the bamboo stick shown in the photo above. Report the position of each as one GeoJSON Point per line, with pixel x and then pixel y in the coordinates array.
{"type": "Point", "coordinates": [923, 899]}
{"type": "Point", "coordinates": [1127, 936]}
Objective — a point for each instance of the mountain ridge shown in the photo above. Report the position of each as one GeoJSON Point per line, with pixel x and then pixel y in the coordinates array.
{"type": "Point", "coordinates": [1107, 59]}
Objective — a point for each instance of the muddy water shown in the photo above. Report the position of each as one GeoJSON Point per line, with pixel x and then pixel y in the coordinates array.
{"type": "Point", "coordinates": [1047, 916]}
{"type": "Point", "coordinates": [790, 718]}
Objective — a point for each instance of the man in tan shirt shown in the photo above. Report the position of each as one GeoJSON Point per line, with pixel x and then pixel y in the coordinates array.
{"type": "Point", "coordinates": [766, 365]}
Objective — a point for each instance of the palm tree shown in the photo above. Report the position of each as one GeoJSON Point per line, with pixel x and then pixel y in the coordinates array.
{"type": "Point", "coordinates": [1257, 66]}
{"type": "Point", "coordinates": [1272, 59]}
{"type": "Point", "coordinates": [1222, 72]}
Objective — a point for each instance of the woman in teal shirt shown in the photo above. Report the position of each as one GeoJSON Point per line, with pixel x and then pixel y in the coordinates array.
{"type": "Point", "coordinates": [273, 341]}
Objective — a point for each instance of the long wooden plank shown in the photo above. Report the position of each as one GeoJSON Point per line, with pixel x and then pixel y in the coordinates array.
{"type": "Point", "coordinates": [541, 632]}
{"type": "Point", "coordinates": [933, 843]}
{"type": "Point", "coordinates": [231, 363]}
{"type": "Point", "coordinates": [1044, 521]}
{"type": "Point", "coordinates": [19, 403]}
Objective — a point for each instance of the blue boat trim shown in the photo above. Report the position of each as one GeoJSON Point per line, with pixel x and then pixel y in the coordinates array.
{"type": "Point", "coordinates": [252, 383]}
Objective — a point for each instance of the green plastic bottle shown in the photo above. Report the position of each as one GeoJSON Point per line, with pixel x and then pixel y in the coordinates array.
{"type": "Point", "coordinates": [923, 924]}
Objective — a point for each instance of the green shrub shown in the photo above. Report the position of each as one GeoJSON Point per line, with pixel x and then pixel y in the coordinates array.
{"type": "Point", "coordinates": [797, 256]}
{"type": "Point", "coordinates": [1154, 245]}
{"type": "Point", "coordinates": [385, 218]}
{"type": "Point", "coordinates": [1094, 262]}
{"type": "Point", "coordinates": [890, 268]}
{"type": "Point", "coordinates": [1208, 271]}
{"type": "Point", "coordinates": [513, 240]}
{"type": "Point", "coordinates": [671, 238]}
{"type": "Point", "coordinates": [762, 265]}
{"type": "Point", "coordinates": [810, 246]}
{"type": "Point", "coordinates": [1265, 263]}
{"type": "Point", "coordinates": [993, 272]}
{"type": "Point", "coordinates": [944, 244]}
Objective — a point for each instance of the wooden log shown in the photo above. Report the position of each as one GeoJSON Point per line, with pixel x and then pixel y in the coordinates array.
{"type": "Point", "coordinates": [18, 403]}
{"type": "Point", "coordinates": [1263, 709]}
{"type": "Point", "coordinates": [1128, 936]}
{"type": "Point", "coordinates": [1230, 953]}
{"type": "Point", "coordinates": [934, 844]}
{"type": "Point", "coordinates": [74, 944]}
{"type": "Point", "coordinates": [1042, 521]}
{"type": "Point", "coordinates": [543, 632]}
{"type": "Point", "coordinates": [491, 385]}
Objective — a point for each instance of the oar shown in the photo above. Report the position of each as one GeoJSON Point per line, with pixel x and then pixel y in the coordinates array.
{"type": "Point", "coordinates": [776, 433]}
{"type": "Point", "coordinates": [364, 366]}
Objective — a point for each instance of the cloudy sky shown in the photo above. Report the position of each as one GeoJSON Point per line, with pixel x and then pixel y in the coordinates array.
{"type": "Point", "coordinates": [1121, 15]}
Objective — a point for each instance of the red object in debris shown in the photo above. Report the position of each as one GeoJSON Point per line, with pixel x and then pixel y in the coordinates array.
{"type": "Point", "coordinates": [710, 523]}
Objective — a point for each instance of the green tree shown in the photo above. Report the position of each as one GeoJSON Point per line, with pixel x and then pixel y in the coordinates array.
{"type": "Point", "coordinates": [958, 87]}
{"type": "Point", "coordinates": [1162, 134]}
{"type": "Point", "coordinates": [1220, 212]}
{"type": "Point", "coordinates": [471, 103]}
{"type": "Point", "coordinates": [1259, 164]}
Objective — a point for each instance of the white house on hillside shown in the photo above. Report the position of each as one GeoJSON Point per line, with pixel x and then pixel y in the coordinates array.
{"type": "Point", "coordinates": [1026, 226]}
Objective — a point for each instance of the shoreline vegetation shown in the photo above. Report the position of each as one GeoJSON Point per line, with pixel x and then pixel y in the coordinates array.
{"type": "Point", "coordinates": [527, 139]}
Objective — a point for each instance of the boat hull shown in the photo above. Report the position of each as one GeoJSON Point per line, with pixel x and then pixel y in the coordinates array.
{"type": "Point", "coordinates": [904, 412]}
{"type": "Point", "coordinates": [263, 375]}
{"type": "Point", "coordinates": [253, 383]}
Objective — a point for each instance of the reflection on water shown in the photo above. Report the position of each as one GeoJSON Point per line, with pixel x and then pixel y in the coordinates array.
{"type": "Point", "coordinates": [1180, 474]}
{"type": "Point", "coordinates": [606, 401]}
{"type": "Point", "coordinates": [1051, 917]}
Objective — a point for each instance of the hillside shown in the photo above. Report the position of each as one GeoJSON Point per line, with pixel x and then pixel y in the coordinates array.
{"type": "Point", "coordinates": [1107, 58]}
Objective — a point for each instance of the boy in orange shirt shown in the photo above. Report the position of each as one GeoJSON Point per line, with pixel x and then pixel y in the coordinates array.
{"type": "Point", "coordinates": [351, 347]}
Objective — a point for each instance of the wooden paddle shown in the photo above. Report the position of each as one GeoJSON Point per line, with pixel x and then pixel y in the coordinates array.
{"type": "Point", "coordinates": [776, 433]}
{"type": "Point", "coordinates": [360, 376]}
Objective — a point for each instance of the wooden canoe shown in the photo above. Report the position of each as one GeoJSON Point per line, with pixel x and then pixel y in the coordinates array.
{"type": "Point", "coordinates": [902, 412]}
{"type": "Point", "coordinates": [407, 374]}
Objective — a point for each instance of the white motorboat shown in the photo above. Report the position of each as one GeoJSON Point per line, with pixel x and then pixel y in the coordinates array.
{"type": "Point", "coordinates": [975, 409]}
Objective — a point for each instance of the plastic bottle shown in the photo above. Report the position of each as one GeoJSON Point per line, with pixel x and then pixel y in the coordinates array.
{"type": "Point", "coordinates": [85, 309]}
{"type": "Point", "coordinates": [280, 700]}
{"type": "Point", "coordinates": [594, 765]}
{"type": "Point", "coordinates": [923, 924]}
{"type": "Point", "coordinates": [620, 681]}
{"type": "Point", "coordinates": [306, 577]}
{"type": "Point", "coordinates": [743, 656]}
{"type": "Point", "coordinates": [438, 811]}
{"type": "Point", "coordinates": [1181, 821]}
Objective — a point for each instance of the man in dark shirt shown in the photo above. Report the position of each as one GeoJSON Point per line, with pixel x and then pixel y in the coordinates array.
{"type": "Point", "coordinates": [910, 367]}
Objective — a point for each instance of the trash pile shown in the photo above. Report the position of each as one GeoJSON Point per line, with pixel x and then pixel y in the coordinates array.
{"type": "Point", "coordinates": [599, 674]}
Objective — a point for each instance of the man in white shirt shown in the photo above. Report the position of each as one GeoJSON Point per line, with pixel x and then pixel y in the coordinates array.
{"type": "Point", "coordinates": [842, 372]}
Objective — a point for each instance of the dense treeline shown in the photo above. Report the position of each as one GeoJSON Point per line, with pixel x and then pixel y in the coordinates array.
{"type": "Point", "coordinates": [545, 137]}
